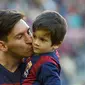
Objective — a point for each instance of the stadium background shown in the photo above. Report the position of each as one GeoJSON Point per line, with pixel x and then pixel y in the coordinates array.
{"type": "Point", "coordinates": [72, 51]}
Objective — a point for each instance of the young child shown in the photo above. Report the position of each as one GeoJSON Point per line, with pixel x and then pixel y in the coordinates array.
{"type": "Point", "coordinates": [43, 68]}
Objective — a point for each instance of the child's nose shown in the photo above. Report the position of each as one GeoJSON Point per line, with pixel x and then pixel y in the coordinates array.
{"type": "Point", "coordinates": [36, 42]}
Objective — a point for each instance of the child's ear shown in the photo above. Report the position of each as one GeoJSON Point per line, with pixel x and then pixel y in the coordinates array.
{"type": "Point", "coordinates": [3, 46]}
{"type": "Point", "coordinates": [57, 46]}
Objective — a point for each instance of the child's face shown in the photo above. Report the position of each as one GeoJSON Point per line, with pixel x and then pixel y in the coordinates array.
{"type": "Point", "coordinates": [42, 42]}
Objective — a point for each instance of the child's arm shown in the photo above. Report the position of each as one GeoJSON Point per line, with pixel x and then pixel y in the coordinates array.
{"type": "Point", "coordinates": [49, 74]}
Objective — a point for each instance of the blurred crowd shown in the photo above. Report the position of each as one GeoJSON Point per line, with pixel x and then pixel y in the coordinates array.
{"type": "Point", "coordinates": [72, 51]}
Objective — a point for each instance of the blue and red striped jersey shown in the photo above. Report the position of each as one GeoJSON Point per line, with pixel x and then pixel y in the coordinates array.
{"type": "Point", "coordinates": [42, 69]}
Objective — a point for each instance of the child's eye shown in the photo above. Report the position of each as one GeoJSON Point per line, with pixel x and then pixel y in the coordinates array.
{"type": "Point", "coordinates": [34, 36]}
{"type": "Point", "coordinates": [42, 39]}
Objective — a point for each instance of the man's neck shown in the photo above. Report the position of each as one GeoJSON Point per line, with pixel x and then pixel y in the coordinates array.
{"type": "Point", "coordinates": [9, 62]}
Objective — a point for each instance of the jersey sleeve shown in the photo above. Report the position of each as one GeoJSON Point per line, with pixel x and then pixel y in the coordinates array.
{"type": "Point", "coordinates": [49, 74]}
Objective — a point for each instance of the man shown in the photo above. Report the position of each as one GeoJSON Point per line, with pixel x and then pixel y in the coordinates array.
{"type": "Point", "coordinates": [15, 44]}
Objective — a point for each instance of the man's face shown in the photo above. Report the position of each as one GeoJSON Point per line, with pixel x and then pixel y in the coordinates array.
{"type": "Point", "coordinates": [20, 41]}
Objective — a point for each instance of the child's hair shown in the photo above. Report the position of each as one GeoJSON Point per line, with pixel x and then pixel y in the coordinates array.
{"type": "Point", "coordinates": [53, 22]}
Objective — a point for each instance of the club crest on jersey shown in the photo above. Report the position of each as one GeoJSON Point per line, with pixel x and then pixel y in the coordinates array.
{"type": "Point", "coordinates": [28, 66]}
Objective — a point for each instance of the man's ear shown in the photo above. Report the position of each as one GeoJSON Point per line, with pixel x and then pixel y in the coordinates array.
{"type": "Point", "coordinates": [3, 46]}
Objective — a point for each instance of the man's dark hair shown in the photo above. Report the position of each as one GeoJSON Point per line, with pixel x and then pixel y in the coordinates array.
{"type": "Point", "coordinates": [53, 22]}
{"type": "Point", "coordinates": [8, 19]}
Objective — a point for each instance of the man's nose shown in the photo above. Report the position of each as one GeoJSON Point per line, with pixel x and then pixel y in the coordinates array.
{"type": "Point", "coordinates": [28, 38]}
